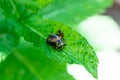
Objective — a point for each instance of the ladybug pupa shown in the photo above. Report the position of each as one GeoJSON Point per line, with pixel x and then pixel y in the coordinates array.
{"type": "Point", "coordinates": [56, 40]}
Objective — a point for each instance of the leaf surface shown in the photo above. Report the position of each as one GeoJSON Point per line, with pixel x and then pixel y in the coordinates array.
{"type": "Point", "coordinates": [77, 49]}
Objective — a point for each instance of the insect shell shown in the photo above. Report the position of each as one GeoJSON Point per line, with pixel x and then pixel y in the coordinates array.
{"type": "Point", "coordinates": [56, 40]}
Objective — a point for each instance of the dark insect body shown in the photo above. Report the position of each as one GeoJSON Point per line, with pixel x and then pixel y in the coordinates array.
{"type": "Point", "coordinates": [56, 40]}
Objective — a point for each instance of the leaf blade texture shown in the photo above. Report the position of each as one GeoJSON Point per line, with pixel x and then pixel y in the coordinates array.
{"type": "Point", "coordinates": [77, 49]}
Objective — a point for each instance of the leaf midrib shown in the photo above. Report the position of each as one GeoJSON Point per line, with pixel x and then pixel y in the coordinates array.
{"type": "Point", "coordinates": [34, 30]}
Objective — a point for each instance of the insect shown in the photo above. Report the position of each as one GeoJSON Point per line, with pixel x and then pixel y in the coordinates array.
{"type": "Point", "coordinates": [56, 40]}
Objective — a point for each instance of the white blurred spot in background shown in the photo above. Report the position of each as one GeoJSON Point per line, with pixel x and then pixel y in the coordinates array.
{"type": "Point", "coordinates": [103, 33]}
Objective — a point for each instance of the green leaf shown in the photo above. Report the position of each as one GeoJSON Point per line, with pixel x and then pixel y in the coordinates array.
{"type": "Point", "coordinates": [16, 8]}
{"type": "Point", "coordinates": [28, 63]}
{"type": "Point", "coordinates": [77, 49]}
{"type": "Point", "coordinates": [8, 39]}
{"type": "Point", "coordinates": [2, 17]}
{"type": "Point", "coordinates": [43, 3]}
{"type": "Point", "coordinates": [35, 3]}
{"type": "Point", "coordinates": [6, 7]}
{"type": "Point", "coordinates": [71, 12]}
{"type": "Point", "coordinates": [20, 9]}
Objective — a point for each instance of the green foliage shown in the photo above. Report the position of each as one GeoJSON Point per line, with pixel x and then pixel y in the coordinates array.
{"type": "Point", "coordinates": [43, 3]}
{"type": "Point", "coordinates": [77, 49]}
{"type": "Point", "coordinates": [35, 20]}
{"type": "Point", "coordinates": [64, 10]}
{"type": "Point", "coordinates": [8, 39]}
{"type": "Point", "coordinates": [28, 63]}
